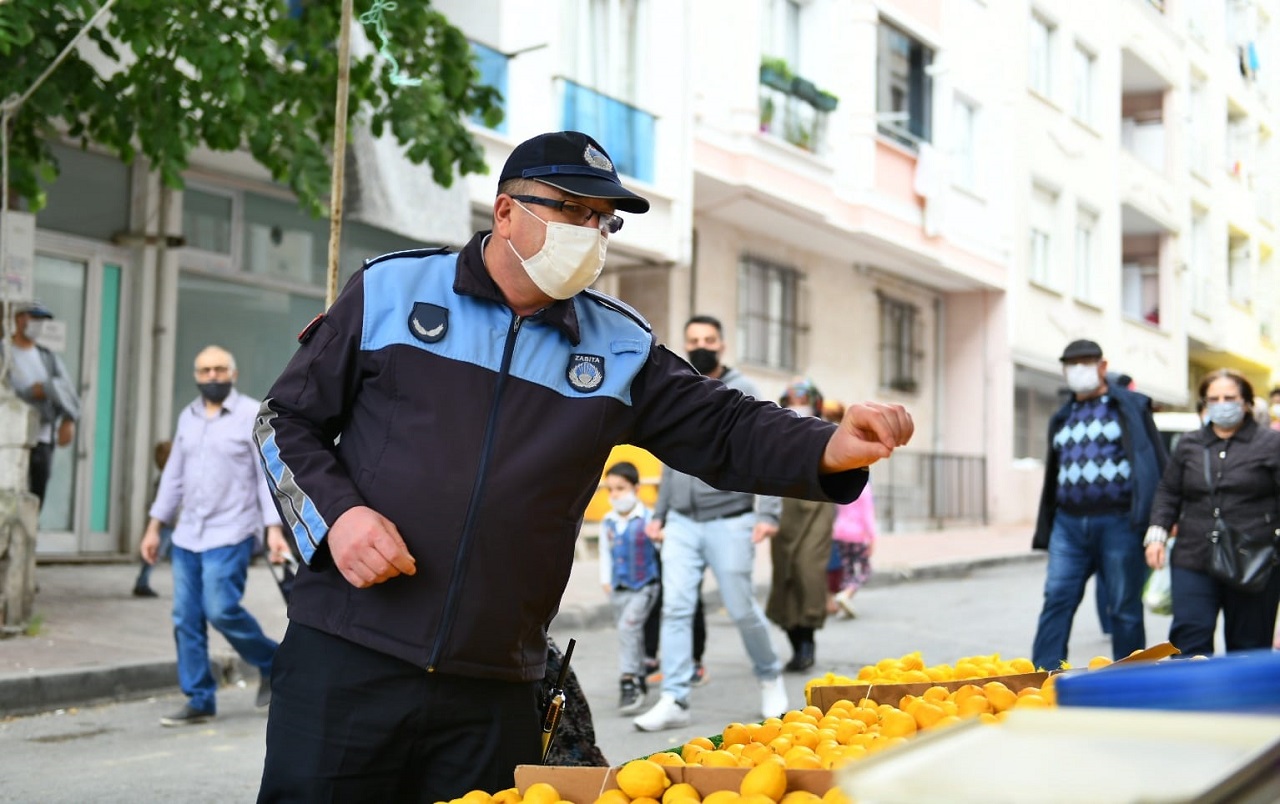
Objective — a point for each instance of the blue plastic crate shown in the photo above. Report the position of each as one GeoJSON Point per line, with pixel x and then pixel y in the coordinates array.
{"type": "Point", "coordinates": [1247, 682]}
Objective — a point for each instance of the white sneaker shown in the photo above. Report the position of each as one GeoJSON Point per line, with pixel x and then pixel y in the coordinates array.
{"type": "Point", "coordinates": [667, 713]}
{"type": "Point", "coordinates": [773, 698]}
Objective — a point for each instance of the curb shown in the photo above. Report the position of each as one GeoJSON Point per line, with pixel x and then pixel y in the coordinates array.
{"type": "Point", "coordinates": [66, 689]}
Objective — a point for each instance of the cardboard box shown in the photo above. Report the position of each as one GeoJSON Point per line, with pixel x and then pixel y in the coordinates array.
{"type": "Point", "coordinates": [824, 696]}
{"type": "Point", "coordinates": [584, 785]}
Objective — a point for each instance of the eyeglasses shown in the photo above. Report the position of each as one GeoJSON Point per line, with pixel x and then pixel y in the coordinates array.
{"type": "Point", "coordinates": [578, 213]}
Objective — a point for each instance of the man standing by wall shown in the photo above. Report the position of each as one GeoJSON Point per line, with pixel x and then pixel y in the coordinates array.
{"type": "Point", "coordinates": [215, 475]}
{"type": "Point", "coordinates": [39, 378]}
{"type": "Point", "coordinates": [1104, 461]}
{"type": "Point", "coordinates": [700, 526]}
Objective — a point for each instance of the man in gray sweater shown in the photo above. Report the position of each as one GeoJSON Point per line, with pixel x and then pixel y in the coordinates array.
{"type": "Point", "coordinates": [700, 526]}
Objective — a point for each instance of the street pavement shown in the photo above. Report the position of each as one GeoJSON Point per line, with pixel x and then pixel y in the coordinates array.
{"type": "Point", "coordinates": [91, 641]}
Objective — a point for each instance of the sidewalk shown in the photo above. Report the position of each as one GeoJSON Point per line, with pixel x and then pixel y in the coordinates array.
{"type": "Point", "coordinates": [95, 642]}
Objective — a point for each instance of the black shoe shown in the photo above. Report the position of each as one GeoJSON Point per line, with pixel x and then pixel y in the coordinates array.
{"type": "Point", "coordinates": [144, 591]}
{"type": "Point", "coordinates": [264, 692]}
{"type": "Point", "coordinates": [186, 716]}
{"type": "Point", "coordinates": [631, 699]}
{"type": "Point", "coordinates": [803, 660]}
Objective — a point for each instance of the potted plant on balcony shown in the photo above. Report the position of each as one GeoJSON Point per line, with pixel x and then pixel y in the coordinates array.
{"type": "Point", "coordinates": [825, 101]}
{"type": "Point", "coordinates": [767, 109]}
{"type": "Point", "coordinates": [774, 72]}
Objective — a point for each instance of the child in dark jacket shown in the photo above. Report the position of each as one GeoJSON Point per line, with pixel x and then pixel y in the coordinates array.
{"type": "Point", "coordinates": [629, 573]}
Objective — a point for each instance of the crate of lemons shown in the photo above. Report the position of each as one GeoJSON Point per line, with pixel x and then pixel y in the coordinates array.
{"type": "Point", "coordinates": [789, 760]}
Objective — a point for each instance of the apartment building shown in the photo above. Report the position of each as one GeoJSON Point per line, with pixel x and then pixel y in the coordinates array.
{"type": "Point", "coordinates": [869, 194]}
{"type": "Point", "coordinates": [1145, 213]}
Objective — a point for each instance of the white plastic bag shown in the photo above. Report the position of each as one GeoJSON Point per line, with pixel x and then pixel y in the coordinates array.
{"type": "Point", "coordinates": [1157, 593]}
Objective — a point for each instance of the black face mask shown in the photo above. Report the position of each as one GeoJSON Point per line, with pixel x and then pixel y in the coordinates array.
{"type": "Point", "coordinates": [704, 360]}
{"type": "Point", "coordinates": [214, 391]}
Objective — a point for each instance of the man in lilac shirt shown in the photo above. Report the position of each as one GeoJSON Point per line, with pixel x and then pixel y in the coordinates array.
{"type": "Point", "coordinates": [215, 476]}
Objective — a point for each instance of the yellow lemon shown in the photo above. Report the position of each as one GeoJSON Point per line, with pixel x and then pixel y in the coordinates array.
{"type": "Point", "coordinates": [800, 797]}
{"type": "Point", "coordinates": [509, 796]}
{"type": "Point", "coordinates": [1099, 661]}
{"type": "Point", "coordinates": [736, 733]}
{"type": "Point", "coordinates": [1033, 701]}
{"type": "Point", "coordinates": [477, 797]}
{"type": "Point", "coordinates": [641, 778]}
{"type": "Point", "coordinates": [835, 796]}
{"type": "Point", "coordinates": [614, 796]}
{"type": "Point", "coordinates": [1000, 696]}
{"type": "Point", "coordinates": [768, 778]}
{"type": "Point", "coordinates": [1022, 666]}
{"type": "Point", "coordinates": [718, 759]}
{"type": "Point", "coordinates": [682, 790]}
{"type": "Point", "coordinates": [722, 797]}
{"type": "Point", "coordinates": [541, 793]}
{"type": "Point", "coordinates": [667, 758]}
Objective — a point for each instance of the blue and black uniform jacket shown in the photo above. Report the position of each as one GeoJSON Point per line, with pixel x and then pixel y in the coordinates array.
{"type": "Point", "coordinates": [481, 435]}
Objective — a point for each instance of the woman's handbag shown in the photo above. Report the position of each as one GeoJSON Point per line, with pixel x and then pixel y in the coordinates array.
{"type": "Point", "coordinates": [1240, 560]}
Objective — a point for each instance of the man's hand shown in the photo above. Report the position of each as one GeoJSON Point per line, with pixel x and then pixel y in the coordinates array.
{"type": "Point", "coordinates": [149, 547]}
{"type": "Point", "coordinates": [868, 433]}
{"type": "Point", "coordinates": [277, 545]}
{"type": "Point", "coordinates": [36, 391]}
{"type": "Point", "coordinates": [762, 531]}
{"type": "Point", "coordinates": [653, 529]}
{"type": "Point", "coordinates": [66, 432]}
{"type": "Point", "coordinates": [367, 548]}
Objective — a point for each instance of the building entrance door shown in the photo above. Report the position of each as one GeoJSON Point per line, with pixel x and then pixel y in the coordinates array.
{"type": "Point", "coordinates": [83, 284]}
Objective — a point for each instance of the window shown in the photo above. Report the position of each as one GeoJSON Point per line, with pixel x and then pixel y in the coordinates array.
{"type": "Point", "coordinates": [492, 65]}
{"type": "Point", "coordinates": [1197, 128]}
{"type": "Point", "coordinates": [1044, 213]}
{"type": "Point", "coordinates": [1198, 261]}
{"type": "Point", "coordinates": [1239, 269]}
{"type": "Point", "coordinates": [1086, 254]}
{"type": "Point", "coordinates": [1040, 77]}
{"type": "Point", "coordinates": [1036, 395]}
{"type": "Point", "coordinates": [965, 158]}
{"type": "Point", "coordinates": [900, 339]}
{"type": "Point", "coordinates": [609, 47]}
{"type": "Point", "coordinates": [206, 221]}
{"type": "Point", "coordinates": [1140, 277]}
{"type": "Point", "coordinates": [904, 90]}
{"type": "Point", "coordinates": [1082, 84]}
{"type": "Point", "coordinates": [769, 329]}
{"type": "Point", "coordinates": [782, 31]}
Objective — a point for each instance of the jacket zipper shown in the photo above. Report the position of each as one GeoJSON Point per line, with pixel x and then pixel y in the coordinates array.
{"type": "Point", "coordinates": [473, 506]}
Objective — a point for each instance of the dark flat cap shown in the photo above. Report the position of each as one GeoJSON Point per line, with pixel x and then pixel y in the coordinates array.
{"type": "Point", "coordinates": [1081, 348]}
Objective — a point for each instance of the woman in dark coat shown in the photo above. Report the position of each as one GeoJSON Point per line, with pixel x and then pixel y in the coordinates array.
{"type": "Point", "coordinates": [1244, 464]}
{"type": "Point", "coordinates": [801, 550]}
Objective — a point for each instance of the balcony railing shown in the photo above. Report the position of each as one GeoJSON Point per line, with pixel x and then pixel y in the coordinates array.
{"type": "Point", "coordinates": [793, 108]}
{"type": "Point", "coordinates": [930, 489]}
{"type": "Point", "coordinates": [625, 131]}
{"type": "Point", "coordinates": [493, 72]}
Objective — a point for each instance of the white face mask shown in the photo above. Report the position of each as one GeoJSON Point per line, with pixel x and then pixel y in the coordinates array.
{"type": "Point", "coordinates": [1082, 378]}
{"type": "Point", "coordinates": [623, 503]}
{"type": "Point", "coordinates": [569, 261]}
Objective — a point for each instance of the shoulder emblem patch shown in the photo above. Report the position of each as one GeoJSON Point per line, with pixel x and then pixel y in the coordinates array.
{"type": "Point", "coordinates": [310, 329]}
{"type": "Point", "coordinates": [428, 322]}
{"type": "Point", "coordinates": [586, 372]}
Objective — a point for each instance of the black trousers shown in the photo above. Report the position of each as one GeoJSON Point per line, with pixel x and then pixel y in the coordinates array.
{"type": "Point", "coordinates": [1248, 620]}
{"type": "Point", "coordinates": [39, 466]}
{"type": "Point", "coordinates": [350, 724]}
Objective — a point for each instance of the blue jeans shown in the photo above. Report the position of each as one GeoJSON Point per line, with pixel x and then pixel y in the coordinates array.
{"type": "Point", "coordinates": [207, 588]}
{"type": "Point", "coordinates": [688, 549]}
{"type": "Point", "coordinates": [1079, 546]}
